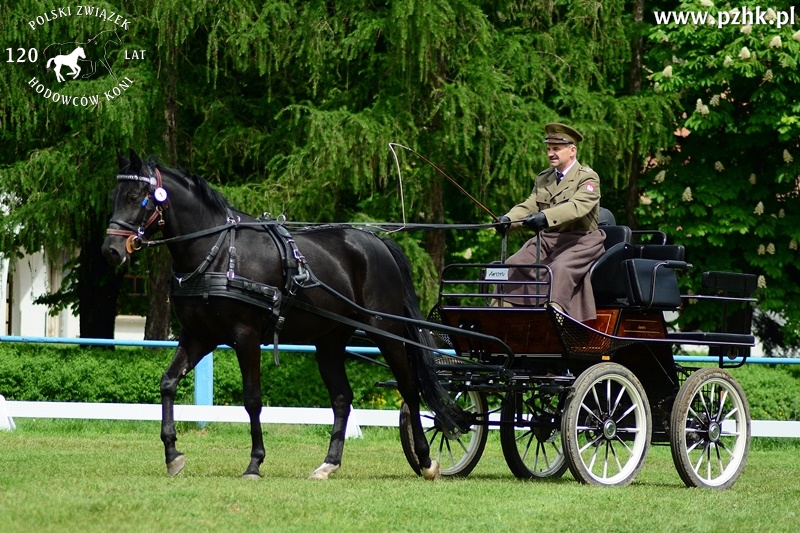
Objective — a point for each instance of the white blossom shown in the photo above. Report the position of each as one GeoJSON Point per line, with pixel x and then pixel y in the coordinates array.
{"type": "Point", "coordinates": [714, 100]}
{"type": "Point", "coordinates": [776, 42]}
{"type": "Point", "coordinates": [706, 3]}
{"type": "Point", "coordinates": [660, 176]}
{"type": "Point", "coordinates": [645, 200]}
{"type": "Point", "coordinates": [796, 36]}
{"type": "Point", "coordinates": [762, 282]}
{"type": "Point", "coordinates": [793, 244]}
{"type": "Point", "coordinates": [718, 166]}
{"type": "Point", "coordinates": [770, 16]}
{"type": "Point", "coordinates": [701, 108]}
{"type": "Point", "coordinates": [768, 75]}
{"type": "Point", "coordinates": [761, 249]}
{"type": "Point", "coordinates": [752, 179]}
{"type": "Point", "coordinates": [771, 249]}
{"type": "Point", "coordinates": [787, 157]}
{"type": "Point", "coordinates": [745, 53]}
{"type": "Point", "coordinates": [687, 194]}
{"type": "Point", "coordinates": [667, 71]}
{"type": "Point", "coordinates": [781, 213]}
{"type": "Point", "coordinates": [759, 210]}
{"type": "Point", "coordinates": [728, 61]}
{"type": "Point", "coordinates": [747, 29]}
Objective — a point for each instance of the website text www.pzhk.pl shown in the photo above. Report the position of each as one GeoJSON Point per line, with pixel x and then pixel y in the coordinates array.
{"type": "Point", "coordinates": [744, 16]}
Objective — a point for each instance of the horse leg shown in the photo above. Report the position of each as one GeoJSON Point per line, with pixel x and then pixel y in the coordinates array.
{"type": "Point", "coordinates": [397, 359]}
{"type": "Point", "coordinates": [248, 351]}
{"type": "Point", "coordinates": [186, 358]}
{"type": "Point", "coordinates": [330, 360]}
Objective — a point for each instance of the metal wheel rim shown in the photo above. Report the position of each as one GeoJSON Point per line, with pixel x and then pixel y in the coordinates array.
{"type": "Point", "coordinates": [543, 445]}
{"type": "Point", "coordinates": [716, 405]}
{"type": "Point", "coordinates": [454, 453]}
{"type": "Point", "coordinates": [609, 460]}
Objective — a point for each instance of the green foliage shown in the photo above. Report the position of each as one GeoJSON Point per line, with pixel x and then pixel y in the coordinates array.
{"type": "Point", "coordinates": [35, 372]}
{"type": "Point", "coordinates": [728, 186]}
{"type": "Point", "coordinates": [772, 391]}
{"type": "Point", "coordinates": [132, 375]}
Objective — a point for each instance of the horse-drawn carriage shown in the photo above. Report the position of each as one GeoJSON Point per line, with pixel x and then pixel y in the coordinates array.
{"type": "Point", "coordinates": [590, 397]}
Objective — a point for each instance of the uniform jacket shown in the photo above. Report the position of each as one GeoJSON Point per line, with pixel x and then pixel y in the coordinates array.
{"type": "Point", "coordinates": [572, 205]}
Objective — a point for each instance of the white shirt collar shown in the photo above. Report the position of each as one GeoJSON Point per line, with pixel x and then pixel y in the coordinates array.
{"type": "Point", "coordinates": [566, 170]}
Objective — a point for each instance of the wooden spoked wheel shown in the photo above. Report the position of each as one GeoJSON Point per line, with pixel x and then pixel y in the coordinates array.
{"type": "Point", "coordinates": [710, 429]}
{"type": "Point", "coordinates": [606, 426]}
{"type": "Point", "coordinates": [457, 454]}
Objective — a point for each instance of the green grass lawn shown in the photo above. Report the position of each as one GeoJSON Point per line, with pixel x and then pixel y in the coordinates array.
{"type": "Point", "coordinates": [110, 476]}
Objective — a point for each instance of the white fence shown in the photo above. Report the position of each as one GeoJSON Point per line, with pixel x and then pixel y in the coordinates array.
{"type": "Point", "coordinates": [271, 415]}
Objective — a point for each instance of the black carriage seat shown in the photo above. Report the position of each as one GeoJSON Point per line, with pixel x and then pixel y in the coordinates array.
{"type": "Point", "coordinates": [636, 275]}
{"type": "Point", "coordinates": [606, 276]}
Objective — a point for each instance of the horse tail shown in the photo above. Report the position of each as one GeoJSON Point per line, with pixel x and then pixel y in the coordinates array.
{"type": "Point", "coordinates": [422, 360]}
{"type": "Point", "coordinates": [49, 61]}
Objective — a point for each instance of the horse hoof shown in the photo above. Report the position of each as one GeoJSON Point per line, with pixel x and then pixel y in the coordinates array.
{"type": "Point", "coordinates": [324, 470]}
{"type": "Point", "coordinates": [251, 476]}
{"type": "Point", "coordinates": [174, 468]}
{"type": "Point", "coordinates": [433, 472]}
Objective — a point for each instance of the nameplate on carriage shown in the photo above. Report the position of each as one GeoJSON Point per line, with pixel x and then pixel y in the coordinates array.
{"type": "Point", "coordinates": [499, 274]}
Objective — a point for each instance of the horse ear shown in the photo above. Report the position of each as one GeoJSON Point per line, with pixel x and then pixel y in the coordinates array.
{"type": "Point", "coordinates": [122, 162]}
{"type": "Point", "coordinates": [136, 162]}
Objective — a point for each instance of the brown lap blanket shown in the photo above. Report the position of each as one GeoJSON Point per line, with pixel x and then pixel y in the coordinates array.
{"type": "Point", "coordinates": [569, 256]}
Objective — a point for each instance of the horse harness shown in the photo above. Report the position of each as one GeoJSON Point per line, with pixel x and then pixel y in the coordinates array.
{"type": "Point", "coordinates": [201, 283]}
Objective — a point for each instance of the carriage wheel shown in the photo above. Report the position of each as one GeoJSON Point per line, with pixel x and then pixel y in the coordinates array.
{"type": "Point", "coordinates": [532, 442]}
{"type": "Point", "coordinates": [606, 426]}
{"type": "Point", "coordinates": [457, 455]}
{"type": "Point", "coordinates": [710, 429]}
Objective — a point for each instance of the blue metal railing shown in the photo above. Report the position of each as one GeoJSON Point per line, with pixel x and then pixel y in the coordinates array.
{"type": "Point", "coordinates": [204, 371]}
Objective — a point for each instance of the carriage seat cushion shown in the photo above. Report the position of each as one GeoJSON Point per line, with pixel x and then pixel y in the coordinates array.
{"type": "Point", "coordinates": [639, 274]}
{"type": "Point", "coordinates": [616, 235]}
{"type": "Point", "coordinates": [664, 252]}
{"type": "Point", "coordinates": [607, 278]}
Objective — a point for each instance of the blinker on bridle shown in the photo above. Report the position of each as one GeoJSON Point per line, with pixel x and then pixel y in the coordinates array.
{"type": "Point", "coordinates": [157, 194]}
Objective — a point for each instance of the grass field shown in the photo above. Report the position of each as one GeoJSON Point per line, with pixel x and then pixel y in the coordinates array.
{"type": "Point", "coordinates": [110, 476]}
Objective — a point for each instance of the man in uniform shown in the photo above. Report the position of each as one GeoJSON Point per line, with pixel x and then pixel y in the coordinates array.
{"type": "Point", "coordinates": [563, 209]}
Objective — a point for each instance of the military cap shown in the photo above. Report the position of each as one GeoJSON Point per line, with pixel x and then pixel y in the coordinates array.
{"type": "Point", "coordinates": [557, 133]}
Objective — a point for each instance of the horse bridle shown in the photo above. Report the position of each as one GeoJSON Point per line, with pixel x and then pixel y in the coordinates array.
{"type": "Point", "coordinates": [156, 196]}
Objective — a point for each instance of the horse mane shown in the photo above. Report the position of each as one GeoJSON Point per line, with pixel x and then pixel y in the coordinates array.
{"type": "Point", "coordinates": [207, 193]}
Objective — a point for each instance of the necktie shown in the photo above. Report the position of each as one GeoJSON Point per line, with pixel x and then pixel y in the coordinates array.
{"type": "Point", "coordinates": [559, 177]}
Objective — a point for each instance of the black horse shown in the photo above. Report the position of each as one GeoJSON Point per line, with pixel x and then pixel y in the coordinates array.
{"type": "Point", "coordinates": [239, 281]}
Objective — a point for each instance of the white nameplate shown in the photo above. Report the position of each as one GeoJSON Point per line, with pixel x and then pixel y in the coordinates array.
{"type": "Point", "coordinates": [500, 274]}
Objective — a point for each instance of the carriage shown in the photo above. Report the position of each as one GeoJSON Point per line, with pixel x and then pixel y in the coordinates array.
{"type": "Point", "coordinates": [593, 397]}
{"type": "Point", "coordinates": [590, 397]}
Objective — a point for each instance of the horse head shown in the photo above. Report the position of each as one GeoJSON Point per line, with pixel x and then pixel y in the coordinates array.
{"type": "Point", "coordinates": [138, 199]}
{"type": "Point", "coordinates": [80, 52]}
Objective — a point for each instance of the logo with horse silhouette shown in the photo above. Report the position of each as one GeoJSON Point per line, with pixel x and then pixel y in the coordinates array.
{"type": "Point", "coordinates": [70, 60]}
{"type": "Point", "coordinates": [87, 43]}
{"type": "Point", "coordinates": [72, 57]}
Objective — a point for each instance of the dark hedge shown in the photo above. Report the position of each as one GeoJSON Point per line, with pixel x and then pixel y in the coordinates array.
{"type": "Point", "coordinates": [37, 372]}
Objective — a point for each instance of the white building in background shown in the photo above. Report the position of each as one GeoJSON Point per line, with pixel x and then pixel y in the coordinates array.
{"type": "Point", "coordinates": [24, 280]}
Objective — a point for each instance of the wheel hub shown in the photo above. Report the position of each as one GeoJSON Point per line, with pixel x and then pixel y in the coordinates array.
{"type": "Point", "coordinates": [714, 431]}
{"type": "Point", "coordinates": [609, 429]}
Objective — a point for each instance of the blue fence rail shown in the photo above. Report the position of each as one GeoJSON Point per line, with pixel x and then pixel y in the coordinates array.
{"type": "Point", "coordinates": [204, 371]}
{"type": "Point", "coordinates": [204, 410]}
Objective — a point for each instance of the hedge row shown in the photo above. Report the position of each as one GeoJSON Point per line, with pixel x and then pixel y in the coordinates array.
{"type": "Point", "coordinates": [36, 372]}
